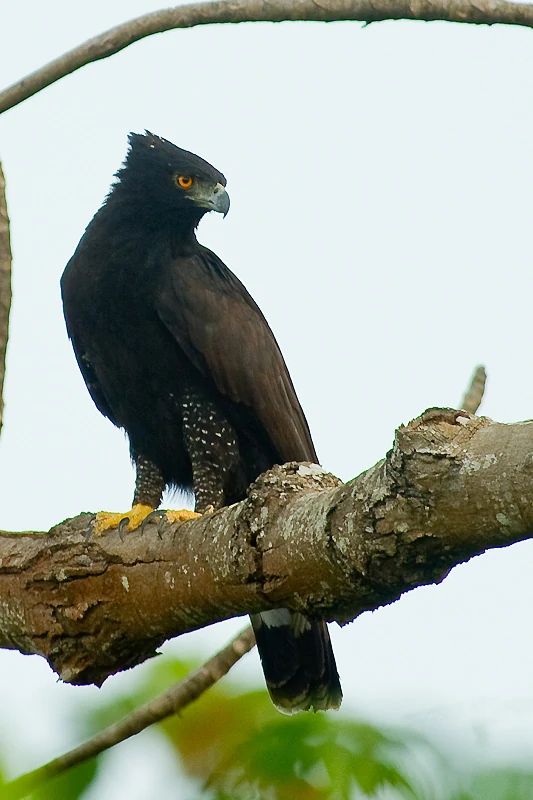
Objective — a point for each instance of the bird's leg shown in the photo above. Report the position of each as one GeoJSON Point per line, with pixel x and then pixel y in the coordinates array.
{"type": "Point", "coordinates": [212, 446]}
{"type": "Point", "coordinates": [149, 485]}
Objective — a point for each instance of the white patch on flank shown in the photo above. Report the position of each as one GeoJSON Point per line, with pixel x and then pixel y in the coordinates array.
{"type": "Point", "coordinates": [276, 618]}
{"type": "Point", "coordinates": [300, 624]}
{"type": "Point", "coordinates": [125, 582]}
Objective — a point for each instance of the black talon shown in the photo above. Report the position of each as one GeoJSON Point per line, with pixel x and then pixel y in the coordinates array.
{"type": "Point", "coordinates": [121, 526]}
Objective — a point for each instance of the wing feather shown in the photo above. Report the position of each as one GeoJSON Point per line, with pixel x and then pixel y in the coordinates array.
{"type": "Point", "coordinates": [76, 333]}
{"type": "Point", "coordinates": [222, 331]}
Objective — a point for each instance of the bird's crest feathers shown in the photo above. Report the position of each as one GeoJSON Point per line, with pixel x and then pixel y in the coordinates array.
{"type": "Point", "coordinates": [149, 153]}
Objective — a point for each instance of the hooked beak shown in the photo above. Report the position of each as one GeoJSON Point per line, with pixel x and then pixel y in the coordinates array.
{"type": "Point", "coordinates": [220, 199]}
{"type": "Point", "coordinates": [215, 199]}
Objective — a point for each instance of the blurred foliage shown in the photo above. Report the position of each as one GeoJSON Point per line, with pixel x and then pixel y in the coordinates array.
{"type": "Point", "coordinates": [237, 745]}
{"type": "Point", "coordinates": [233, 745]}
{"type": "Point", "coordinates": [238, 748]}
{"type": "Point", "coordinates": [500, 784]}
{"type": "Point", "coordinates": [71, 785]}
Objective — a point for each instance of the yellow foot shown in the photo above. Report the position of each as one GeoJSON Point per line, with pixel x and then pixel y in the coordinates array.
{"type": "Point", "coordinates": [182, 515]}
{"type": "Point", "coordinates": [105, 520]}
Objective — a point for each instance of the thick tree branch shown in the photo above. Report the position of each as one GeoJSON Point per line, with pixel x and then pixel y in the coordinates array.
{"type": "Point", "coordinates": [5, 287]}
{"type": "Point", "coordinates": [451, 487]}
{"type": "Point", "coordinates": [181, 694]}
{"type": "Point", "coordinates": [488, 12]}
{"type": "Point", "coordinates": [170, 702]}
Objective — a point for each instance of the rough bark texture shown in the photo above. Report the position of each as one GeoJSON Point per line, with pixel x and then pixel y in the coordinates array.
{"type": "Point", "coordinates": [487, 12]}
{"type": "Point", "coordinates": [452, 486]}
{"type": "Point", "coordinates": [5, 287]}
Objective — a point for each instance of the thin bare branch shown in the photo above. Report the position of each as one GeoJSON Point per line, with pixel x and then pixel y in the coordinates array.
{"type": "Point", "coordinates": [488, 12]}
{"type": "Point", "coordinates": [170, 702]}
{"type": "Point", "coordinates": [474, 394]}
{"type": "Point", "coordinates": [5, 287]}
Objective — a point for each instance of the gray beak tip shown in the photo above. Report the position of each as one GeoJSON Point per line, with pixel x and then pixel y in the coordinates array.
{"type": "Point", "coordinates": [222, 202]}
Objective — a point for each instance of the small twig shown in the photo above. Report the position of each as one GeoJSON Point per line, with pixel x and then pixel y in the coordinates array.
{"type": "Point", "coordinates": [474, 394]}
{"type": "Point", "coordinates": [484, 12]}
{"type": "Point", "coordinates": [171, 701]}
{"type": "Point", "coordinates": [5, 286]}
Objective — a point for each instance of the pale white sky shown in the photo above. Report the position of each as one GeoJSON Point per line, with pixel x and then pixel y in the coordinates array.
{"type": "Point", "coordinates": [380, 181]}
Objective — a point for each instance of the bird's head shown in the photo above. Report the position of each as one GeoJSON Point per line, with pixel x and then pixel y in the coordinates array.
{"type": "Point", "coordinates": [166, 178]}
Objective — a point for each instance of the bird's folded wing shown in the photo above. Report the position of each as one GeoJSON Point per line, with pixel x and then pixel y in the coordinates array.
{"type": "Point", "coordinates": [222, 331]}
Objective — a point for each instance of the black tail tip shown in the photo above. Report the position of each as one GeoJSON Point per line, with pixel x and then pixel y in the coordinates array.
{"type": "Point", "coordinates": [298, 661]}
{"type": "Point", "coordinates": [323, 697]}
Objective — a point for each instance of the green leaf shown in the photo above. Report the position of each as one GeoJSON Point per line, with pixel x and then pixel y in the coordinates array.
{"type": "Point", "coordinates": [245, 749]}
{"type": "Point", "coordinates": [72, 784]}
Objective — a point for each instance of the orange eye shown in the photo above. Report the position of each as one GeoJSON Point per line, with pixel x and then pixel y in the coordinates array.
{"type": "Point", "coordinates": [185, 181]}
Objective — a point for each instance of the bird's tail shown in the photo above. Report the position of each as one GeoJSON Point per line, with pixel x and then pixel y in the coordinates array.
{"type": "Point", "coordinates": [298, 661]}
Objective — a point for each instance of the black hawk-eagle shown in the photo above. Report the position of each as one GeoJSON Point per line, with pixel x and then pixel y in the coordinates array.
{"type": "Point", "coordinates": [175, 351]}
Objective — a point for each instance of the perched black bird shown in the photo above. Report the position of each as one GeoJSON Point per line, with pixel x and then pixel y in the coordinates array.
{"type": "Point", "coordinates": [175, 351]}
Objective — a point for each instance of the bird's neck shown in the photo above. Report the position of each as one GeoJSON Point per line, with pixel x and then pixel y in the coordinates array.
{"type": "Point", "coordinates": [149, 223]}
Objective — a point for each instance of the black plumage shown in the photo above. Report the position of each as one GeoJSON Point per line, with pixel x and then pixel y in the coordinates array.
{"type": "Point", "coordinates": [175, 351]}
